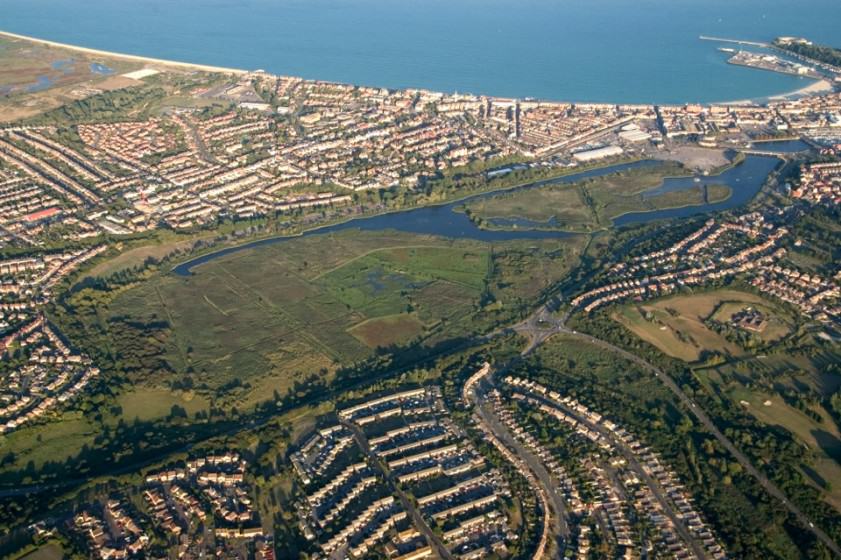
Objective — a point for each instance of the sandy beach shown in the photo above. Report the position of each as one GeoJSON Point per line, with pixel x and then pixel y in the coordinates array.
{"type": "Point", "coordinates": [815, 88]}
{"type": "Point", "coordinates": [135, 58]}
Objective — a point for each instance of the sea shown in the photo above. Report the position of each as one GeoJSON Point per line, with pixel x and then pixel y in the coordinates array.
{"type": "Point", "coordinates": [620, 51]}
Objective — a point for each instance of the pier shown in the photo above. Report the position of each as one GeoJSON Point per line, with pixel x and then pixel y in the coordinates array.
{"type": "Point", "coordinates": [735, 41]}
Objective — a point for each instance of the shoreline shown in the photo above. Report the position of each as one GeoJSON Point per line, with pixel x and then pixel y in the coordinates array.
{"type": "Point", "coordinates": [124, 56]}
{"type": "Point", "coordinates": [817, 88]}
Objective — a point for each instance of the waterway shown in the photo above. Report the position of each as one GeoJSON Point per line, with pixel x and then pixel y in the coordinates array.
{"type": "Point", "coordinates": [446, 220]}
{"type": "Point", "coordinates": [640, 51]}
{"type": "Point", "coordinates": [781, 146]}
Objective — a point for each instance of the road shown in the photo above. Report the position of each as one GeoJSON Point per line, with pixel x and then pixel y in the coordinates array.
{"type": "Point", "coordinates": [554, 524]}
{"type": "Point", "coordinates": [542, 325]}
{"type": "Point", "coordinates": [550, 485]}
{"type": "Point", "coordinates": [408, 504]}
{"type": "Point", "coordinates": [656, 489]}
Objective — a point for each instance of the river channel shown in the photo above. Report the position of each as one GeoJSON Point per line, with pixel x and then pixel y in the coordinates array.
{"type": "Point", "coordinates": [446, 220]}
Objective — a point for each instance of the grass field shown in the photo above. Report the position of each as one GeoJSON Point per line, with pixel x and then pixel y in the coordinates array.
{"type": "Point", "coordinates": [592, 203]}
{"type": "Point", "coordinates": [556, 206]}
{"type": "Point", "coordinates": [577, 363]}
{"type": "Point", "coordinates": [49, 551]}
{"type": "Point", "coordinates": [55, 441]}
{"type": "Point", "coordinates": [676, 326]}
{"type": "Point", "coordinates": [693, 196]}
{"type": "Point", "coordinates": [152, 403]}
{"type": "Point", "coordinates": [135, 257]}
{"type": "Point", "coordinates": [823, 438]}
{"type": "Point", "coordinates": [36, 78]}
{"type": "Point", "coordinates": [777, 325]}
{"type": "Point", "coordinates": [389, 330]}
{"type": "Point", "coordinates": [272, 316]}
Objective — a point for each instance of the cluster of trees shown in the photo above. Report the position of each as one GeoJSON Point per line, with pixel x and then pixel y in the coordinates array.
{"type": "Point", "coordinates": [741, 510]}
{"type": "Point", "coordinates": [109, 106]}
{"type": "Point", "coordinates": [821, 53]}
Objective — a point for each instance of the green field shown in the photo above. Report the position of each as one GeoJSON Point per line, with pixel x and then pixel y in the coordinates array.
{"type": "Point", "coordinates": [676, 326]}
{"type": "Point", "coordinates": [558, 206]}
{"type": "Point", "coordinates": [56, 441]}
{"type": "Point", "coordinates": [47, 552]}
{"type": "Point", "coordinates": [389, 330]}
{"type": "Point", "coordinates": [152, 403]}
{"type": "Point", "coordinates": [286, 311]}
{"type": "Point", "coordinates": [23, 64]}
{"type": "Point", "coordinates": [592, 203]}
{"type": "Point", "coordinates": [821, 437]}
{"type": "Point", "coordinates": [777, 325]}
{"type": "Point", "coordinates": [273, 316]}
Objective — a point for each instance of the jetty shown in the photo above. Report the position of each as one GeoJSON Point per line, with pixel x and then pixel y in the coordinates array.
{"type": "Point", "coordinates": [735, 41]}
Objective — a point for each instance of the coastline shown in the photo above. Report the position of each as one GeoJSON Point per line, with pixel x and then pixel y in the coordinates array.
{"type": "Point", "coordinates": [123, 56]}
{"type": "Point", "coordinates": [816, 88]}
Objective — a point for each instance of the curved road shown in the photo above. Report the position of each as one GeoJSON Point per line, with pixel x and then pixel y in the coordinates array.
{"type": "Point", "coordinates": [534, 464]}
{"type": "Point", "coordinates": [541, 326]}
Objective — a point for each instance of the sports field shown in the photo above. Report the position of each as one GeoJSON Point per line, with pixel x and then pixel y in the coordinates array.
{"type": "Point", "coordinates": [821, 437]}
{"type": "Point", "coordinates": [676, 326]}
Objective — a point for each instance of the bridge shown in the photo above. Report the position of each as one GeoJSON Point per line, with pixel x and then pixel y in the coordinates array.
{"type": "Point", "coordinates": [769, 153]}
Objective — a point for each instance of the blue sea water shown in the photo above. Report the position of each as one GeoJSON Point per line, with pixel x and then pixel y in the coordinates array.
{"type": "Point", "coordinates": [579, 50]}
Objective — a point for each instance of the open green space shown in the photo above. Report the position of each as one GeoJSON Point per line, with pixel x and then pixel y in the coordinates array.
{"type": "Point", "coordinates": [254, 323]}
{"type": "Point", "coordinates": [153, 403]}
{"type": "Point", "coordinates": [560, 206]}
{"type": "Point", "coordinates": [593, 203]}
{"type": "Point", "coordinates": [49, 551]}
{"type": "Point", "coordinates": [810, 422]}
{"type": "Point", "coordinates": [776, 325]}
{"type": "Point", "coordinates": [677, 324]}
{"type": "Point", "coordinates": [35, 78]}
{"type": "Point", "coordinates": [389, 330]}
{"type": "Point", "coordinates": [56, 441]}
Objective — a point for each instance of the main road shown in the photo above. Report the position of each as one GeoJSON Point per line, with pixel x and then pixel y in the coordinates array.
{"type": "Point", "coordinates": [542, 325]}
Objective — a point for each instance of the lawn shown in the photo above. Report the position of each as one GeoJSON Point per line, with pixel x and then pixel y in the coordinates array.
{"type": "Point", "coordinates": [777, 325]}
{"type": "Point", "coordinates": [693, 196]}
{"type": "Point", "coordinates": [51, 551]}
{"type": "Point", "coordinates": [258, 322]}
{"type": "Point", "coordinates": [575, 362]}
{"type": "Point", "coordinates": [35, 78]}
{"type": "Point", "coordinates": [152, 403]}
{"type": "Point", "coordinates": [559, 206]}
{"type": "Point", "coordinates": [55, 441]}
{"type": "Point", "coordinates": [676, 326]}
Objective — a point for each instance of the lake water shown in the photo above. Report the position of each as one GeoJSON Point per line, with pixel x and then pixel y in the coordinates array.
{"type": "Point", "coordinates": [578, 50]}
{"type": "Point", "coordinates": [745, 180]}
{"type": "Point", "coordinates": [781, 146]}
